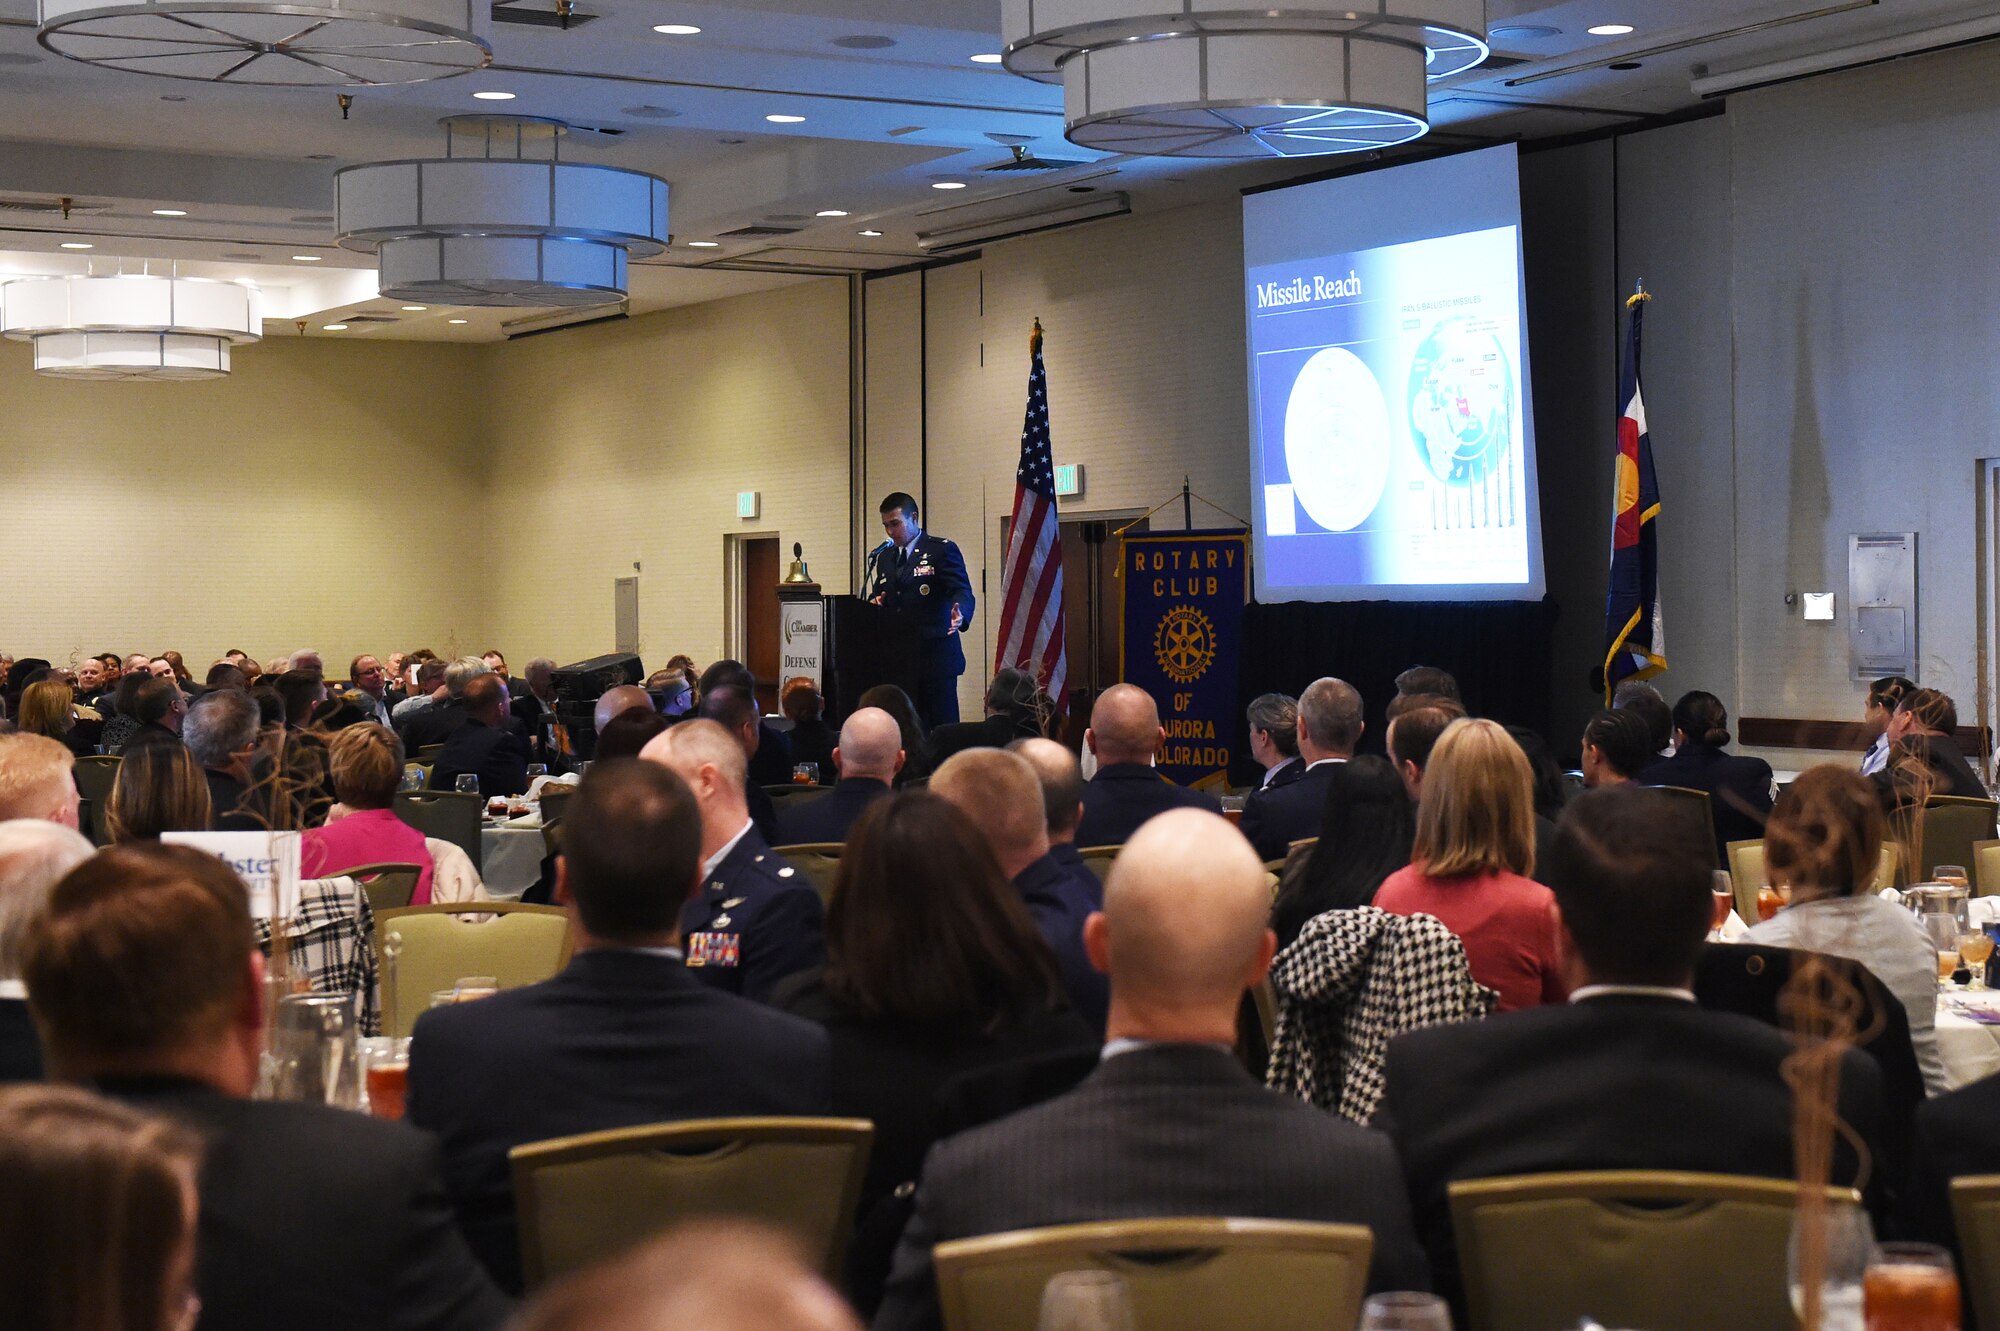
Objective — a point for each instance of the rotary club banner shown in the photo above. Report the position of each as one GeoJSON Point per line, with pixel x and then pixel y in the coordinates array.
{"type": "Point", "coordinates": [1182, 631]}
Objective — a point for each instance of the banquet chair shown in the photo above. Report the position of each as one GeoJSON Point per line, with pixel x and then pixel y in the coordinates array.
{"type": "Point", "coordinates": [1695, 806]}
{"type": "Point", "coordinates": [446, 815]}
{"type": "Point", "coordinates": [96, 774]}
{"type": "Point", "coordinates": [791, 796]}
{"type": "Point", "coordinates": [389, 885]}
{"type": "Point", "coordinates": [554, 801]}
{"type": "Point", "coordinates": [580, 1199]}
{"type": "Point", "coordinates": [1975, 1208]}
{"type": "Point", "coordinates": [1663, 1250]}
{"type": "Point", "coordinates": [435, 946]}
{"type": "Point", "coordinates": [1985, 868]}
{"type": "Point", "coordinates": [1746, 875]}
{"type": "Point", "coordinates": [1183, 1274]}
{"type": "Point", "coordinates": [429, 752]}
{"type": "Point", "coordinates": [817, 860]}
{"type": "Point", "coordinates": [1098, 859]}
{"type": "Point", "coordinates": [1948, 828]}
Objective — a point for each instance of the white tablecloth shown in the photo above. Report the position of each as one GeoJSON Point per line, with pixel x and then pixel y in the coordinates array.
{"type": "Point", "coordinates": [1970, 1048]}
{"type": "Point", "coordinates": [511, 857]}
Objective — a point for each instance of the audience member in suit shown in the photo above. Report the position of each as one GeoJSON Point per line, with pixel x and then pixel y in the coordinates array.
{"type": "Point", "coordinates": [1001, 794]}
{"type": "Point", "coordinates": [770, 750]}
{"type": "Point", "coordinates": [706, 1274]}
{"type": "Point", "coordinates": [1274, 739]}
{"type": "Point", "coordinates": [897, 703]}
{"type": "Point", "coordinates": [933, 969]}
{"type": "Point", "coordinates": [366, 677]}
{"type": "Point", "coordinates": [441, 720]}
{"type": "Point", "coordinates": [869, 755]}
{"type": "Point", "coordinates": [1924, 758]}
{"type": "Point", "coordinates": [1630, 1074]}
{"type": "Point", "coordinates": [1062, 805]}
{"type": "Point", "coordinates": [158, 705]}
{"type": "Point", "coordinates": [34, 854]}
{"type": "Point", "coordinates": [37, 779]}
{"type": "Point", "coordinates": [1170, 1123]}
{"type": "Point", "coordinates": [533, 707]}
{"type": "Point", "coordinates": [1824, 842]}
{"type": "Point", "coordinates": [811, 739]}
{"type": "Point", "coordinates": [734, 708]}
{"type": "Point", "coordinates": [616, 700]}
{"type": "Point", "coordinates": [625, 1035]}
{"type": "Point", "coordinates": [1126, 735]}
{"type": "Point", "coordinates": [1415, 722]}
{"type": "Point", "coordinates": [627, 734]}
{"type": "Point", "coordinates": [145, 981]}
{"type": "Point", "coordinates": [484, 746]}
{"type": "Point", "coordinates": [1955, 1137]}
{"type": "Point", "coordinates": [1365, 837]}
{"type": "Point", "coordinates": [1329, 728]}
{"type": "Point", "coordinates": [221, 732]}
{"type": "Point", "coordinates": [1013, 711]}
{"type": "Point", "coordinates": [1428, 682]}
{"type": "Point", "coordinates": [1739, 789]}
{"type": "Point", "coordinates": [1470, 859]}
{"type": "Point", "coordinates": [427, 690]}
{"type": "Point", "coordinates": [753, 919]}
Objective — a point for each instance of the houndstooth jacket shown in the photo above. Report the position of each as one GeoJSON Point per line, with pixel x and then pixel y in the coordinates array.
{"type": "Point", "coordinates": [332, 943]}
{"type": "Point", "coordinates": [1353, 980]}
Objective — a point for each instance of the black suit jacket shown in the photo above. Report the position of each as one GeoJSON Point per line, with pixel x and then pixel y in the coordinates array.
{"type": "Point", "coordinates": [497, 756]}
{"type": "Point", "coordinates": [1273, 819]}
{"type": "Point", "coordinates": [1286, 772]}
{"type": "Point", "coordinates": [829, 817]}
{"type": "Point", "coordinates": [1609, 1083]}
{"type": "Point", "coordinates": [1955, 1137]}
{"type": "Point", "coordinates": [1124, 795]}
{"type": "Point", "coordinates": [320, 1219]}
{"type": "Point", "coordinates": [619, 1038]}
{"type": "Point", "coordinates": [1739, 789]}
{"type": "Point", "coordinates": [1060, 896]}
{"type": "Point", "coordinates": [923, 589]}
{"type": "Point", "coordinates": [432, 725]}
{"type": "Point", "coordinates": [20, 1045]}
{"type": "Point", "coordinates": [1950, 773]}
{"type": "Point", "coordinates": [1164, 1130]}
{"type": "Point", "coordinates": [994, 732]}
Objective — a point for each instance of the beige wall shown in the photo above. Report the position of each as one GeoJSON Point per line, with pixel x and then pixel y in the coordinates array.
{"type": "Point", "coordinates": [325, 494]}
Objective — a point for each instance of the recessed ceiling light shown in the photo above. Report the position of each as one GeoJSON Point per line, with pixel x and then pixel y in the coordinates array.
{"type": "Point", "coordinates": [172, 97]}
{"type": "Point", "coordinates": [947, 184]}
{"type": "Point", "coordinates": [831, 212]}
{"type": "Point", "coordinates": [170, 212]}
{"type": "Point", "coordinates": [494, 96]}
{"type": "Point", "coordinates": [786, 120]}
{"type": "Point", "coordinates": [77, 245]}
{"type": "Point", "coordinates": [1623, 64]}
{"type": "Point", "coordinates": [868, 233]}
{"type": "Point", "coordinates": [864, 41]}
{"type": "Point", "coordinates": [986, 58]}
{"type": "Point", "coordinates": [704, 244]}
{"type": "Point", "coordinates": [1609, 30]}
{"type": "Point", "coordinates": [457, 321]}
{"type": "Point", "coordinates": [676, 29]}
{"type": "Point", "coordinates": [1525, 32]}
{"type": "Point", "coordinates": [333, 328]}
{"type": "Point", "coordinates": [319, 157]}
{"type": "Point", "coordinates": [413, 309]}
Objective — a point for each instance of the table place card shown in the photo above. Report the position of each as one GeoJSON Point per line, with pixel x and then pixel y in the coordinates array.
{"type": "Point", "coordinates": [267, 862]}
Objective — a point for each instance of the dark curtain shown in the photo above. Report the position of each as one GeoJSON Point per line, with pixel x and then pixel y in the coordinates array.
{"type": "Point", "coordinates": [1501, 652]}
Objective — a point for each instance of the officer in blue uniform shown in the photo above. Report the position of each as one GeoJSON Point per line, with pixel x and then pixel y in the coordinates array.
{"type": "Point", "coordinates": [754, 920]}
{"type": "Point", "coordinates": [922, 578]}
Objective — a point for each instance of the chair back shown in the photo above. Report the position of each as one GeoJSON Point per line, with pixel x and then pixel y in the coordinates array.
{"type": "Point", "coordinates": [1950, 826]}
{"type": "Point", "coordinates": [96, 774]}
{"type": "Point", "coordinates": [1890, 864]}
{"type": "Point", "coordinates": [1696, 808]}
{"type": "Point", "coordinates": [389, 885]}
{"type": "Point", "coordinates": [818, 861]}
{"type": "Point", "coordinates": [1985, 868]}
{"type": "Point", "coordinates": [1975, 1206]}
{"type": "Point", "coordinates": [555, 798]}
{"type": "Point", "coordinates": [1746, 875]}
{"type": "Point", "coordinates": [1657, 1249]}
{"type": "Point", "coordinates": [436, 946]}
{"type": "Point", "coordinates": [582, 1199]}
{"type": "Point", "coordinates": [1098, 859]}
{"type": "Point", "coordinates": [791, 796]}
{"type": "Point", "coordinates": [1192, 1274]}
{"type": "Point", "coordinates": [446, 815]}
{"type": "Point", "coordinates": [429, 752]}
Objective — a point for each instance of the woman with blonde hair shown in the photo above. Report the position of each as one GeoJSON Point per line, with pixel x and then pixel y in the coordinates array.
{"type": "Point", "coordinates": [160, 788]}
{"type": "Point", "coordinates": [48, 707]}
{"type": "Point", "coordinates": [1824, 841]}
{"type": "Point", "coordinates": [1469, 865]}
{"type": "Point", "coordinates": [97, 1215]}
{"type": "Point", "coordinates": [367, 771]}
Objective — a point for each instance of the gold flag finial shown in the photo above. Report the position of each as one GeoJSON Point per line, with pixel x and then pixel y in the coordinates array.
{"type": "Point", "coordinates": [1035, 338]}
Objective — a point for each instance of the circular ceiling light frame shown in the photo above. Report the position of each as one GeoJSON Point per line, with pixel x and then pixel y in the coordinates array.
{"type": "Point", "coordinates": [328, 44]}
{"type": "Point", "coordinates": [130, 326]}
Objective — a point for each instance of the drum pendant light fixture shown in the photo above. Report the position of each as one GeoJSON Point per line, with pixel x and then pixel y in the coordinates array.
{"type": "Point", "coordinates": [296, 44]}
{"type": "Point", "coordinates": [1210, 78]}
{"type": "Point", "coordinates": [500, 219]}
{"type": "Point", "coordinates": [129, 326]}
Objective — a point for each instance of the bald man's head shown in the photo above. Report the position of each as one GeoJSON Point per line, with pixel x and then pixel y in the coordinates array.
{"type": "Point", "coordinates": [1184, 927]}
{"type": "Point", "coordinates": [999, 792]}
{"type": "Point", "coordinates": [871, 746]}
{"type": "Point", "coordinates": [713, 764]}
{"type": "Point", "coordinates": [486, 698]}
{"type": "Point", "coordinates": [613, 701]}
{"type": "Point", "coordinates": [1062, 784]}
{"type": "Point", "coordinates": [1124, 726]}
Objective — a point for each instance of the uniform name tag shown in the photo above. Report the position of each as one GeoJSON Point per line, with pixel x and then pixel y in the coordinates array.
{"type": "Point", "coordinates": [713, 949]}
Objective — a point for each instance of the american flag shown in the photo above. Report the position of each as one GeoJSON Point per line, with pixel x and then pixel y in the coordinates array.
{"type": "Point", "coordinates": [1031, 580]}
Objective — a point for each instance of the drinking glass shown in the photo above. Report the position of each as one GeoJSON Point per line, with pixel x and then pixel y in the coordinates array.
{"type": "Point", "coordinates": [1085, 1301]}
{"type": "Point", "coordinates": [536, 770]}
{"type": "Point", "coordinates": [1975, 948]}
{"type": "Point", "coordinates": [413, 778]}
{"type": "Point", "coordinates": [1953, 874]}
{"type": "Point", "coordinates": [470, 987]}
{"type": "Point", "coordinates": [1723, 888]}
{"type": "Point", "coordinates": [1850, 1246]}
{"type": "Point", "coordinates": [1943, 931]}
{"type": "Point", "coordinates": [443, 997]}
{"type": "Point", "coordinates": [1769, 902]}
{"type": "Point", "coordinates": [805, 774]}
{"type": "Point", "coordinates": [387, 1075]}
{"type": "Point", "coordinates": [466, 784]}
{"type": "Point", "coordinates": [1405, 1312]}
{"type": "Point", "coordinates": [1911, 1287]}
{"type": "Point", "coordinates": [314, 1038]}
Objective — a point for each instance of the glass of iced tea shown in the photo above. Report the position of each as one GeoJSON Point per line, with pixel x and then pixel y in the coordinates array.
{"type": "Point", "coordinates": [1911, 1287]}
{"type": "Point", "coordinates": [470, 987]}
{"type": "Point", "coordinates": [1951, 874]}
{"type": "Point", "coordinates": [1769, 901]}
{"type": "Point", "coordinates": [388, 1076]}
{"type": "Point", "coordinates": [1974, 948]}
{"type": "Point", "coordinates": [1723, 889]}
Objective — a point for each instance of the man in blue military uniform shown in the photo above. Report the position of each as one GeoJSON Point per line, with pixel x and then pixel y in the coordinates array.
{"type": "Point", "coordinates": [922, 578]}
{"type": "Point", "coordinates": [753, 918]}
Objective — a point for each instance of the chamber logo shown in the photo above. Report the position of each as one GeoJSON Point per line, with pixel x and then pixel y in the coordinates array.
{"type": "Point", "coordinates": [1184, 644]}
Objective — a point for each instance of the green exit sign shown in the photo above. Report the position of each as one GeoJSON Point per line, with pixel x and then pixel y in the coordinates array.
{"type": "Point", "coordinates": [1069, 480]}
{"type": "Point", "coordinates": [746, 503]}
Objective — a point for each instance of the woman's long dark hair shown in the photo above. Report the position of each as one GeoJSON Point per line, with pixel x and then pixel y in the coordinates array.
{"type": "Point", "coordinates": [916, 765]}
{"type": "Point", "coordinates": [1364, 837]}
{"type": "Point", "coordinates": [924, 930]}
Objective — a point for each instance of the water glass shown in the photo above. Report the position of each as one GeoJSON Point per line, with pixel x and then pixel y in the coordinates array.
{"type": "Point", "coordinates": [470, 987]}
{"type": "Point", "coordinates": [537, 770]}
{"type": "Point", "coordinates": [1398, 1311]}
{"type": "Point", "coordinates": [466, 784]}
{"type": "Point", "coordinates": [413, 778]}
{"type": "Point", "coordinates": [1850, 1246]}
{"type": "Point", "coordinates": [1085, 1301]}
{"type": "Point", "coordinates": [313, 1042]}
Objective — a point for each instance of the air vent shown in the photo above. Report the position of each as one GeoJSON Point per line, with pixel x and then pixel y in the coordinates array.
{"type": "Point", "coordinates": [583, 134]}
{"type": "Point", "coordinates": [760, 229]}
{"type": "Point", "coordinates": [52, 207]}
{"type": "Point", "coordinates": [353, 319]}
{"type": "Point", "coordinates": [525, 17]}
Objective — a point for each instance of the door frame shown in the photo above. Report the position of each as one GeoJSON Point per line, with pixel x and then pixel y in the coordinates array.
{"type": "Point", "coordinates": [735, 631]}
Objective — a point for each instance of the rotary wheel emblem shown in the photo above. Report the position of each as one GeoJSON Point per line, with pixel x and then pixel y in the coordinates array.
{"type": "Point", "coordinates": [1184, 644]}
